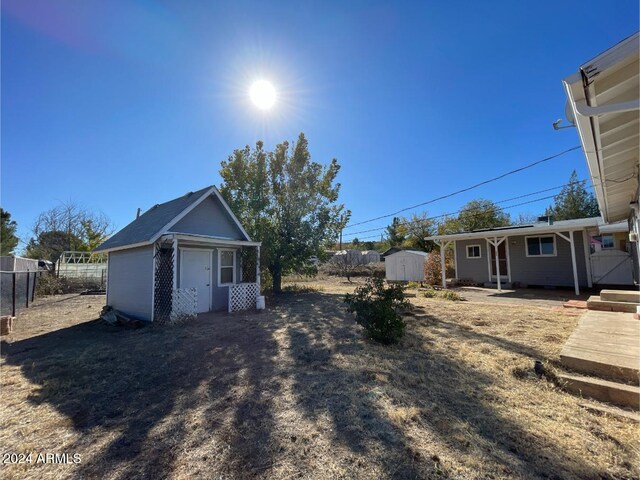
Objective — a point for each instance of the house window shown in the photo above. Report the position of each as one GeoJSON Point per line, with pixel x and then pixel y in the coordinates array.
{"type": "Point", "coordinates": [473, 251]}
{"type": "Point", "coordinates": [226, 267]}
{"type": "Point", "coordinates": [607, 242]}
{"type": "Point", "coordinates": [541, 246]}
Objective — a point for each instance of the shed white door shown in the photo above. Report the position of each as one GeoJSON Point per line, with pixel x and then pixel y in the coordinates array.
{"type": "Point", "coordinates": [195, 272]}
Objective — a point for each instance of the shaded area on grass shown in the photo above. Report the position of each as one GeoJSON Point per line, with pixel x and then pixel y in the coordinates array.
{"type": "Point", "coordinates": [139, 388]}
{"type": "Point", "coordinates": [145, 399]}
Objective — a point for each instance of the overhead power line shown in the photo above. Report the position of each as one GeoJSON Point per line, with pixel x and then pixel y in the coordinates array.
{"type": "Point", "coordinates": [411, 222]}
{"type": "Point", "coordinates": [477, 213]}
{"type": "Point", "coordinates": [457, 192]}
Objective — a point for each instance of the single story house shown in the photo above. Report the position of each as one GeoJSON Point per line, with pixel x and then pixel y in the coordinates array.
{"type": "Point", "coordinates": [541, 254]}
{"type": "Point", "coordinates": [405, 266]}
{"type": "Point", "coordinates": [185, 256]}
{"type": "Point", "coordinates": [603, 102]}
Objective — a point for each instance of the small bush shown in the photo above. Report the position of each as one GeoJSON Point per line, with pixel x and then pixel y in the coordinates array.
{"type": "Point", "coordinates": [49, 284]}
{"type": "Point", "coordinates": [430, 293]}
{"type": "Point", "coordinates": [413, 285]}
{"type": "Point", "coordinates": [379, 309]}
{"type": "Point", "coordinates": [453, 296]}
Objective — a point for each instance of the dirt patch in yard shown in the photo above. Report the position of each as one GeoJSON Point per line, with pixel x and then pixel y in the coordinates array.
{"type": "Point", "coordinates": [297, 392]}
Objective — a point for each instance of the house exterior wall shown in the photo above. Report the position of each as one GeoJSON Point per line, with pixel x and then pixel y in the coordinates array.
{"type": "Point", "coordinates": [209, 218]}
{"type": "Point", "coordinates": [474, 269]}
{"type": "Point", "coordinates": [553, 271]}
{"type": "Point", "coordinates": [130, 281]}
{"type": "Point", "coordinates": [548, 271]}
{"type": "Point", "coordinates": [219, 295]}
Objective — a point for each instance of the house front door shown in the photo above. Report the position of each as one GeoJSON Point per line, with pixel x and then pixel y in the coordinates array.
{"type": "Point", "coordinates": [195, 272]}
{"type": "Point", "coordinates": [502, 259]}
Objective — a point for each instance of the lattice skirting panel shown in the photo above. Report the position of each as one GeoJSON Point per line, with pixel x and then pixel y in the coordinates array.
{"type": "Point", "coordinates": [185, 305]}
{"type": "Point", "coordinates": [243, 296]}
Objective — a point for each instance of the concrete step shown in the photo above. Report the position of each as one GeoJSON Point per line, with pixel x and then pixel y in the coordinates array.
{"type": "Point", "coordinates": [596, 303]}
{"type": "Point", "coordinates": [628, 296]}
{"type": "Point", "coordinates": [619, 394]}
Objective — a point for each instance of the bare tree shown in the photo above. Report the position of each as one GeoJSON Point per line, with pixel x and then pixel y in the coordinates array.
{"type": "Point", "coordinates": [347, 262]}
{"type": "Point", "coordinates": [79, 228]}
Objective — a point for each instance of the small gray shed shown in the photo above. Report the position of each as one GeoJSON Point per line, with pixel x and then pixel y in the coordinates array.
{"type": "Point", "coordinates": [190, 252]}
{"type": "Point", "coordinates": [405, 266]}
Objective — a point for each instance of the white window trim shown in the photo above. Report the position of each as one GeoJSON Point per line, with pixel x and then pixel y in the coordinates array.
{"type": "Point", "coordinates": [613, 241]}
{"type": "Point", "coordinates": [526, 246]}
{"type": "Point", "coordinates": [220, 250]}
{"type": "Point", "coordinates": [479, 250]}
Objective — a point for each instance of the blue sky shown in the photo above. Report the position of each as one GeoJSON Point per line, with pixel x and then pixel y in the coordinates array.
{"type": "Point", "coordinates": [119, 105]}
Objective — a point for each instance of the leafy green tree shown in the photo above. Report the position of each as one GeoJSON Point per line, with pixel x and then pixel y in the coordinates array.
{"type": "Point", "coordinates": [8, 238]}
{"type": "Point", "coordinates": [478, 214]}
{"type": "Point", "coordinates": [49, 245]}
{"type": "Point", "coordinates": [396, 232]}
{"type": "Point", "coordinates": [574, 201]}
{"type": "Point", "coordinates": [448, 224]}
{"type": "Point", "coordinates": [417, 228]}
{"type": "Point", "coordinates": [285, 200]}
{"type": "Point", "coordinates": [355, 243]}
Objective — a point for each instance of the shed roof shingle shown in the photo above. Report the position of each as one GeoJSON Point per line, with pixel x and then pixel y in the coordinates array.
{"type": "Point", "coordinates": [152, 221]}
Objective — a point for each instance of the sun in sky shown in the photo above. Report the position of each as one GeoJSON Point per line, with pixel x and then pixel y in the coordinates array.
{"type": "Point", "coordinates": [262, 94]}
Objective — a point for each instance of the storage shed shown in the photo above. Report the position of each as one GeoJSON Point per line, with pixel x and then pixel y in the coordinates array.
{"type": "Point", "coordinates": [405, 266]}
{"type": "Point", "coordinates": [183, 257]}
{"type": "Point", "coordinates": [370, 256]}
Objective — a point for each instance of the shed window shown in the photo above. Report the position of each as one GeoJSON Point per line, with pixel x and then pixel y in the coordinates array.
{"type": "Point", "coordinates": [473, 251]}
{"type": "Point", "coordinates": [226, 267]}
{"type": "Point", "coordinates": [541, 246]}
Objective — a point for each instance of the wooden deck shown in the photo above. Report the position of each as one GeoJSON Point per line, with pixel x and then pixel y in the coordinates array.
{"type": "Point", "coordinates": [605, 344]}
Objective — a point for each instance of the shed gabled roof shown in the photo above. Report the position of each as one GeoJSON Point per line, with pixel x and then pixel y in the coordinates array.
{"type": "Point", "coordinates": [410, 252]}
{"type": "Point", "coordinates": [155, 221]}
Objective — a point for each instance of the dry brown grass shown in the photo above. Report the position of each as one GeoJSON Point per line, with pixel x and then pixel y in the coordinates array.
{"type": "Point", "coordinates": [297, 392]}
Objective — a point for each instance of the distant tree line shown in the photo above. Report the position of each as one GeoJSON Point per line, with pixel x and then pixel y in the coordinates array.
{"type": "Point", "coordinates": [573, 201]}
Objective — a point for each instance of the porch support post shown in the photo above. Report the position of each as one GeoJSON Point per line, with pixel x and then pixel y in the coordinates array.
{"type": "Point", "coordinates": [495, 246]}
{"type": "Point", "coordinates": [455, 259]}
{"type": "Point", "coordinates": [495, 243]}
{"type": "Point", "coordinates": [587, 257]}
{"type": "Point", "coordinates": [258, 268]}
{"type": "Point", "coordinates": [175, 262]}
{"type": "Point", "coordinates": [573, 259]}
{"type": "Point", "coordinates": [153, 283]}
{"type": "Point", "coordinates": [573, 263]}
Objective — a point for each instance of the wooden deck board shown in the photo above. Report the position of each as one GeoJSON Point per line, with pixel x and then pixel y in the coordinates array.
{"type": "Point", "coordinates": [604, 342]}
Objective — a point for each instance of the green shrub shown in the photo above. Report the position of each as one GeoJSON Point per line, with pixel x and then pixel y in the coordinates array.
{"type": "Point", "coordinates": [430, 293]}
{"type": "Point", "coordinates": [413, 285]}
{"type": "Point", "coordinates": [49, 284]}
{"type": "Point", "coordinates": [449, 295]}
{"type": "Point", "coordinates": [379, 309]}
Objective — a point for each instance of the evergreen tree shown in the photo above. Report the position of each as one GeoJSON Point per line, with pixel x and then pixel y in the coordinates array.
{"type": "Point", "coordinates": [574, 201]}
{"type": "Point", "coordinates": [395, 233]}
{"type": "Point", "coordinates": [8, 238]}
